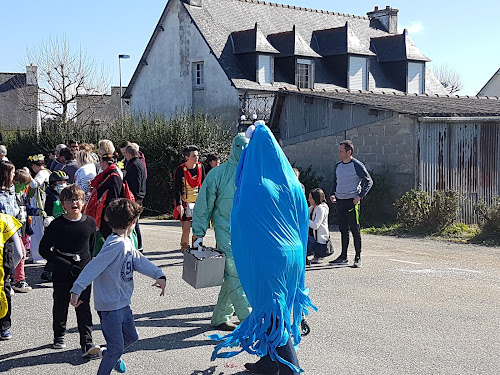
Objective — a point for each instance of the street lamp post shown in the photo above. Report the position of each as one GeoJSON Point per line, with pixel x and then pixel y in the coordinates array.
{"type": "Point", "coordinates": [120, 57]}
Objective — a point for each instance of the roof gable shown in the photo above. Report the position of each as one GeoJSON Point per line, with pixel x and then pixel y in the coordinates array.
{"type": "Point", "coordinates": [249, 41]}
{"type": "Point", "coordinates": [397, 48]}
{"type": "Point", "coordinates": [339, 41]}
{"type": "Point", "coordinates": [291, 43]}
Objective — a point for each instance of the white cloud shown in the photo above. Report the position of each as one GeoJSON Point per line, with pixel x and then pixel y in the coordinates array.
{"type": "Point", "coordinates": [414, 28]}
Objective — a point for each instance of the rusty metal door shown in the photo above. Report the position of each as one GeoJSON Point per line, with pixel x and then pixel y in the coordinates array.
{"type": "Point", "coordinates": [460, 156]}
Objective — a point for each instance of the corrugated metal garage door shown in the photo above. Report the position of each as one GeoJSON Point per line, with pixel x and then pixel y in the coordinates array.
{"type": "Point", "coordinates": [460, 156]}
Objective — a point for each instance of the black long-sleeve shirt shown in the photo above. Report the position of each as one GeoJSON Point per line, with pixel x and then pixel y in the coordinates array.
{"type": "Point", "coordinates": [71, 237]}
{"type": "Point", "coordinates": [136, 177]}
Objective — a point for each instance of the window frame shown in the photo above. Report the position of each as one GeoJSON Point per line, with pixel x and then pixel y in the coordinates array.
{"type": "Point", "coordinates": [299, 63]}
{"type": "Point", "coordinates": [365, 76]}
{"type": "Point", "coordinates": [271, 72]}
{"type": "Point", "coordinates": [198, 75]}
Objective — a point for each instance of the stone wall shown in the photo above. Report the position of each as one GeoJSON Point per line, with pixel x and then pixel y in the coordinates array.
{"type": "Point", "coordinates": [14, 112]}
{"type": "Point", "coordinates": [386, 147]}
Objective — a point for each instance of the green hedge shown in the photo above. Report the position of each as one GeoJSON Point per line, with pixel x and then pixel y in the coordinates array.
{"type": "Point", "coordinates": [159, 139]}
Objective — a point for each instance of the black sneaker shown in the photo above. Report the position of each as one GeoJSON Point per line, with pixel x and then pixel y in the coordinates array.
{"type": "Point", "coordinates": [357, 263]}
{"type": "Point", "coordinates": [90, 350]}
{"type": "Point", "coordinates": [317, 260]}
{"type": "Point", "coordinates": [58, 343]}
{"type": "Point", "coordinates": [46, 276]}
{"type": "Point", "coordinates": [339, 261]}
{"type": "Point", "coordinates": [21, 287]}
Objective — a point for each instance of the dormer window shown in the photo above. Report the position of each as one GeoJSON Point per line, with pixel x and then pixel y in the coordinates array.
{"type": "Point", "coordinates": [265, 69]}
{"type": "Point", "coordinates": [358, 73]}
{"type": "Point", "coordinates": [304, 74]}
{"type": "Point", "coordinates": [416, 75]}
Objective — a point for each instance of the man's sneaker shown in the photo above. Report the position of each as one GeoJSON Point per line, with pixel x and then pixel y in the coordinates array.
{"type": "Point", "coordinates": [357, 263]}
{"type": "Point", "coordinates": [317, 260]}
{"type": "Point", "coordinates": [120, 366]}
{"type": "Point", "coordinates": [12, 292]}
{"type": "Point", "coordinates": [46, 276]}
{"type": "Point", "coordinates": [90, 349]}
{"type": "Point", "coordinates": [21, 287]}
{"type": "Point", "coordinates": [339, 261]}
{"type": "Point", "coordinates": [5, 335]}
{"type": "Point", "coordinates": [58, 343]}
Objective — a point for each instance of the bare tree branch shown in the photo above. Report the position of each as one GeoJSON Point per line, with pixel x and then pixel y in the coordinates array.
{"type": "Point", "coordinates": [449, 78]}
{"type": "Point", "coordinates": [63, 76]}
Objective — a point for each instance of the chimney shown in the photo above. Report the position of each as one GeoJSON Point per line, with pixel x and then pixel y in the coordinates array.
{"type": "Point", "coordinates": [195, 3]}
{"type": "Point", "coordinates": [388, 17]}
{"type": "Point", "coordinates": [32, 75]}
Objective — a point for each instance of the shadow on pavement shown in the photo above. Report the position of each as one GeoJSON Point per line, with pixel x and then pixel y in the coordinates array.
{"type": "Point", "coordinates": [212, 371]}
{"type": "Point", "coordinates": [72, 357]}
{"type": "Point", "coordinates": [162, 223]}
{"type": "Point", "coordinates": [196, 326]}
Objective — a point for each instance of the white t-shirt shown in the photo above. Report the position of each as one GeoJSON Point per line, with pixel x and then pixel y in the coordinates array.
{"type": "Point", "coordinates": [83, 176]}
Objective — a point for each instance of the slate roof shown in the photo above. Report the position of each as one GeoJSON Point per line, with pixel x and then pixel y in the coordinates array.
{"type": "Point", "coordinates": [218, 19]}
{"type": "Point", "coordinates": [412, 104]}
{"type": "Point", "coordinates": [291, 44]}
{"type": "Point", "coordinates": [12, 81]}
{"type": "Point", "coordinates": [338, 41]}
{"type": "Point", "coordinates": [249, 41]}
{"type": "Point", "coordinates": [396, 48]}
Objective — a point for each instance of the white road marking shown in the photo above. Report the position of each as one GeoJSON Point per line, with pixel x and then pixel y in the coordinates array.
{"type": "Point", "coordinates": [403, 261]}
{"type": "Point", "coordinates": [463, 270]}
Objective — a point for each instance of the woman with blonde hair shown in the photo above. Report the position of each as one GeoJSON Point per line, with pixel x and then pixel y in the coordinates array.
{"type": "Point", "coordinates": [86, 172]}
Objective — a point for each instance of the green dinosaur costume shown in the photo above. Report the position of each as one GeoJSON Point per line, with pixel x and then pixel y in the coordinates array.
{"type": "Point", "coordinates": [215, 202]}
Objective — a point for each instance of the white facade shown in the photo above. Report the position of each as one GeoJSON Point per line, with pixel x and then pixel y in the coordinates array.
{"type": "Point", "coordinates": [492, 87]}
{"type": "Point", "coordinates": [169, 80]}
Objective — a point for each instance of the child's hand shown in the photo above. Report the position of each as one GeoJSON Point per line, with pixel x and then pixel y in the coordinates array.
{"type": "Point", "coordinates": [75, 302]}
{"type": "Point", "coordinates": [160, 283]}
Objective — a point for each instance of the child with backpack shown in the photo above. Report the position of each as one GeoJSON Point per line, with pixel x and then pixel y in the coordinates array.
{"type": "Point", "coordinates": [112, 272]}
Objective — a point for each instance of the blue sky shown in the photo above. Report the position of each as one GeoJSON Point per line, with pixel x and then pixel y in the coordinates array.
{"type": "Point", "coordinates": [462, 34]}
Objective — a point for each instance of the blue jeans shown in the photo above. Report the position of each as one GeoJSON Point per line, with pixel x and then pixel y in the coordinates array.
{"type": "Point", "coordinates": [119, 331]}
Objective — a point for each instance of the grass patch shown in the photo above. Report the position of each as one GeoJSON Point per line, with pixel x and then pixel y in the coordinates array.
{"type": "Point", "coordinates": [391, 230]}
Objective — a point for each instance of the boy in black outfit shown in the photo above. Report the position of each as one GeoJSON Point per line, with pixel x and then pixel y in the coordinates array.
{"type": "Point", "coordinates": [68, 243]}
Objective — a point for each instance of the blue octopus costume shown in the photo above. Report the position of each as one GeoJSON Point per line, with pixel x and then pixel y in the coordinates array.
{"type": "Point", "coordinates": [269, 228]}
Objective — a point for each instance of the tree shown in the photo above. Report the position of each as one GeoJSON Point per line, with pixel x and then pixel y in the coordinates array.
{"type": "Point", "coordinates": [64, 76]}
{"type": "Point", "coordinates": [449, 78]}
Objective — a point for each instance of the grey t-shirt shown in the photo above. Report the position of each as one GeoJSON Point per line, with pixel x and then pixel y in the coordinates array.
{"type": "Point", "coordinates": [348, 180]}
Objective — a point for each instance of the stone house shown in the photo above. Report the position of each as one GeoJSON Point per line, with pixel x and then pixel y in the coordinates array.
{"type": "Point", "coordinates": [415, 141]}
{"type": "Point", "coordinates": [229, 57]}
{"type": "Point", "coordinates": [19, 100]}
{"type": "Point", "coordinates": [102, 109]}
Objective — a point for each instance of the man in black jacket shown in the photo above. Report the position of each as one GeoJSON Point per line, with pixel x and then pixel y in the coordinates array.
{"type": "Point", "coordinates": [135, 177]}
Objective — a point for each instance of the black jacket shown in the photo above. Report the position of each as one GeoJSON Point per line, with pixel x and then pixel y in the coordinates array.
{"type": "Point", "coordinates": [136, 178]}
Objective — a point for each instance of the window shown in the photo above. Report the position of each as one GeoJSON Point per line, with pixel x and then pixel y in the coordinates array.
{"type": "Point", "coordinates": [264, 70]}
{"type": "Point", "coordinates": [198, 75]}
{"type": "Point", "coordinates": [303, 76]}
{"type": "Point", "coordinates": [416, 78]}
{"type": "Point", "coordinates": [358, 73]}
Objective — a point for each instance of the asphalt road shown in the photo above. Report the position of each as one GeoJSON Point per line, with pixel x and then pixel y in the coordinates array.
{"type": "Point", "coordinates": [415, 307]}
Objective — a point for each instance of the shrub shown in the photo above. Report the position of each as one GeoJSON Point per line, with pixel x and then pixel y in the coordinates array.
{"type": "Point", "coordinates": [419, 213]}
{"type": "Point", "coordinates": [489, 220]}
{"type": "Point", "coordinates": [161, 141]}
{"type": "Point", "coordinates": [309, 178]}
{"type": "Point", "coordinates": [374, 207]}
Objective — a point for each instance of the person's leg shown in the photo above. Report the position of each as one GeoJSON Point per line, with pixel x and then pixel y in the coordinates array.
{"type": "Point", "coordinates": [223, 310]}
{"type": "Point", "coordinates": [186, 229]}
{"type": "Point", "coordinates": [353, 220]}
{"type": "Point", "coordinates": [111, 326]}
{"type": "Point", "coordinates": [61, 295]}
{"type": "Point", "coordinates": [310, 245]}
{"type": "Point", "coordinates": [5, 322]}
{"type": "Point", "coordinates": [129, 331]}
{"type": "Point", "coordinates": [37, 227]}
{"type": "Point", "coordinates": [289, 354]}
{"type": "Point", "coordinates": [342, 209]}
{"type": "Point", "coordinates": [84, 318]}
{"type": "Point", "coordinates": [19, 274]}
{"type": "Point", "coordinates": [139, 235]}
{"type": "Point", "coordinates": [235, 294]}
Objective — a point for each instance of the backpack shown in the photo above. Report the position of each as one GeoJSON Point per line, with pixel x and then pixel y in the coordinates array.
{"type": "Point", "coordinates": [95, 205]}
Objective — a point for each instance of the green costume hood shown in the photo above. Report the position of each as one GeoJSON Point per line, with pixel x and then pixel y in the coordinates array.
{"type": "Point", "coordinates": [239, 143]}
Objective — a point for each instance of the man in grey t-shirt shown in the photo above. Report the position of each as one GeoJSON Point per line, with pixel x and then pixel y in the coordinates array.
{"type": "Point", "coordinates": [351, 183]}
